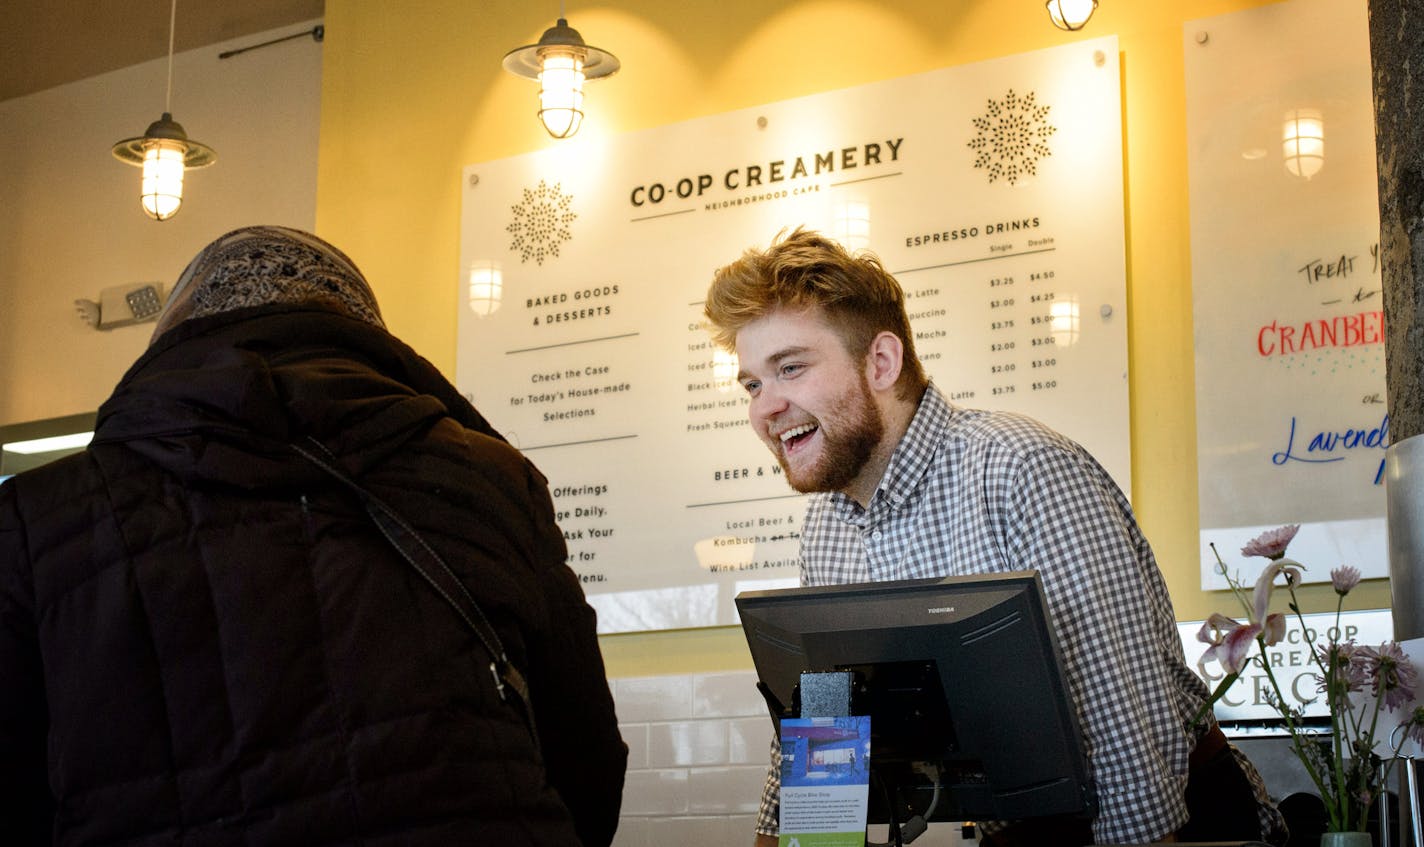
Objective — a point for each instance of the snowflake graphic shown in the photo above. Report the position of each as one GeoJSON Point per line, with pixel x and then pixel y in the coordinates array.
{"type": "Point", "coordinates": [1012, 137]}
{"type": "Point", "coordinates": [541, 222]}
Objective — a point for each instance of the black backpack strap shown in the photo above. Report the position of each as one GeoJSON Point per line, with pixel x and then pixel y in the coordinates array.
{"type": "Point", "coordinates": [420, 555]}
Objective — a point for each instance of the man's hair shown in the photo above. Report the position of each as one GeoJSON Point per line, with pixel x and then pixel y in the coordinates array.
{"type": "Point", "coordinates": [804, 269]}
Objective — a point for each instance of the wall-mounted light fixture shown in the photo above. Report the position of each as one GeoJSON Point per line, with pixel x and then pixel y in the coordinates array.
{"type": "Point", "coordinates": [1303, 142]}
{"type": "Point", "coordinates": [561, 62]}
{"type": "Point", "coordinates": [164, 151]}
{"type": "Point", "coordinates": [1071, 15]}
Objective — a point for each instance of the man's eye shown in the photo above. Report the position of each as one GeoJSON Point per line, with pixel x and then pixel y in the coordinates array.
{"type": "Point", "coordinates": [752, 386]}
{"type": "Point", "coordinates": [791, 370]}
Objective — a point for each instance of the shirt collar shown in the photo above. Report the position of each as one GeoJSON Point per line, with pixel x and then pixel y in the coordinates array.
{"type": "Point", "coordinates": [912, 459]}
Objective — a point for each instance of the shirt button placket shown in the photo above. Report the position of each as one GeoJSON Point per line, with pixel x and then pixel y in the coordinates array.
{"type": "Point", "coordinates": [871, 540]}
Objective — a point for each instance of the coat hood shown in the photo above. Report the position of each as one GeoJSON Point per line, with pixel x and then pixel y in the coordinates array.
{"type": "Point", "coordinates": [221, 398]}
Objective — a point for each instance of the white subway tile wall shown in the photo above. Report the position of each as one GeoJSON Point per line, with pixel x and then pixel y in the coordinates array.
{"type": "Point", "coordinates": [697, 757]}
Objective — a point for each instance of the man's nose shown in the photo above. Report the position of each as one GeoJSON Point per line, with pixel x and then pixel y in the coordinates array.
{"type": "Point", "coordinates": [769, 401]}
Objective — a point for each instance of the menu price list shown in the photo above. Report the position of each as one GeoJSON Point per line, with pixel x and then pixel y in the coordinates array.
{"type": "Point", "coordinates": [715, 399]}
{"type": "Point", "coordinates": [996, 332]}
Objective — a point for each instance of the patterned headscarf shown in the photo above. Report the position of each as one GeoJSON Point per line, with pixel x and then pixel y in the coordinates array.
{"type": "Point", "coordinates": [258, 265]}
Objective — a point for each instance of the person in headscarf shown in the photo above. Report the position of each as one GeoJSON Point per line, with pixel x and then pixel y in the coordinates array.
{"type": "Point", "coordinates": [206, 638]}
{"type": "Point", "coordinates": [264, 265]}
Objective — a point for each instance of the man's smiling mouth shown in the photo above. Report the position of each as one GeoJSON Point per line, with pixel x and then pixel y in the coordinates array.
{"type": "Point", "coordinates": [797, 435]}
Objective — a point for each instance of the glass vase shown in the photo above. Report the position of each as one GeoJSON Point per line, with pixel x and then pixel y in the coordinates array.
{"type": "Point", "coordinates": [1345, 839]}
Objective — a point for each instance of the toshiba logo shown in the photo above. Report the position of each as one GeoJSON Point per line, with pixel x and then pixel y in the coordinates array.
{"type": "Point", "coordinates": [940, 610]}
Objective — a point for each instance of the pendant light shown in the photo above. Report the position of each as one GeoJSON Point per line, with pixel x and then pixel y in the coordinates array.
{"type": "Point", "coordinates": [561, 62]}
{"type": "Point", "coordinates": [1071, 15]}
{"type": "Point", "coordinates": [164, 151]}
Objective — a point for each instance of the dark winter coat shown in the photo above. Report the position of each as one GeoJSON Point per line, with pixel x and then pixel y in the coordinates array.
{"type": "Point", "coordinates": [205, 641]}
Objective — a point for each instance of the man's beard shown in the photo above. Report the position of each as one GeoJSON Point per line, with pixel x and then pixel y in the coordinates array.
{"type": "Point", "coordinates": [846, 449]}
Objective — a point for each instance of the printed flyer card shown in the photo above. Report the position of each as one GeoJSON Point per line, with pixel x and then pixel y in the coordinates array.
{"type": "Point", "coordinates": [825, 781]}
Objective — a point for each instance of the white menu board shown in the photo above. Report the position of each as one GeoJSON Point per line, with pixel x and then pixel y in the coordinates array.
{"type": "Point", "coordinates": [992, 191]}
{"type": "Point", "coordinates": [1291, 416]}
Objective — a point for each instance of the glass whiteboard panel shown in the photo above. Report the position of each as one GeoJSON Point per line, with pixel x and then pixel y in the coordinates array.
{"type": "Point", "coordinates": [1291, 420]}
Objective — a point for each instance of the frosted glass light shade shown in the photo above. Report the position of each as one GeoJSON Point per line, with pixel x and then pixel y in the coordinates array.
{"type": "Point", "coordinates": [724, 370]}
{"type": "Point", "coordinates": [1071, 15]}
{"type": "Point", "coordinates": [561, 92]}
{"type": "Point", "coordinates": [1063, 323]}
{"type": "Point", "coordinates": [486, 288]}
{"type": "Point", "coordinates": [1303, 142]}
{"type": "Point", "coordinates": [162, 186]}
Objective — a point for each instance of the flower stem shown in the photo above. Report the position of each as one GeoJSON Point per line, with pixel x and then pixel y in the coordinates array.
{"type": "Point", "coordinates": [1295, 736]}
{"type": "Point", "coordinates": [1226, 682]}
{"type": "Point", "coordinates": [1232, 583]}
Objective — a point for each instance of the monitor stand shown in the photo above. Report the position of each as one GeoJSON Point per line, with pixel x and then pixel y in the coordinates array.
{"type": "Point", "coordinates": [830, 694]}
{"type": "Point", "coordinates": [824, 694]}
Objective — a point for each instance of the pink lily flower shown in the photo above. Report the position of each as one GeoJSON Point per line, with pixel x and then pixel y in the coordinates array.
{"type": "Point", "coordinates": [1274, 624]}
{"type": "Point", "coordinates": [1230, 642]}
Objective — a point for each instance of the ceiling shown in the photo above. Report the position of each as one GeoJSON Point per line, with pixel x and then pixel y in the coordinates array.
{"type": "Point", "coordinates": [52, 42]}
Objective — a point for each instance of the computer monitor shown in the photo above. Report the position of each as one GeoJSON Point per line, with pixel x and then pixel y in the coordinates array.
{"type": "Point", "coordinates": [970, 717]}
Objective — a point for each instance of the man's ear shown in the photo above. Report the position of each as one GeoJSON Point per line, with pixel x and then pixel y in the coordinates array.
{"type": "Point", "coordinates": [883, 361]}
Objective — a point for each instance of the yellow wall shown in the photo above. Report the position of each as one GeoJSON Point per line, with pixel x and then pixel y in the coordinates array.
{"type": "Point", "coordinates": [414, 92]}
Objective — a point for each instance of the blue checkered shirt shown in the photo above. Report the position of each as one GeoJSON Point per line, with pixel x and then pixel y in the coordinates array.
{"type": "Point", "coordinates": [970, 491]}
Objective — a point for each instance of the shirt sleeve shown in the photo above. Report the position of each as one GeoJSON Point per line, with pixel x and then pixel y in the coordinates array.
{"type": "Point", "coordinates": [1110, 610]}
{"type": "Point", "coordinates": [769, 813]}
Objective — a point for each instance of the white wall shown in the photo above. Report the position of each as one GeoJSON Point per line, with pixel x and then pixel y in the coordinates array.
{"type": "Point", "coordinates": [70, 222]}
